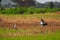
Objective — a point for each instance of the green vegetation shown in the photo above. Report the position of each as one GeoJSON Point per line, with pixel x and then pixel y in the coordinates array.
{"type": "Point", "coordinates": [5, 32]}
{"type": "Point", "coordinates": [38, 16]}
{"type": "Point", "coordinates": [27, 10]}
{"type": "Point", "coordinates": [38, 37]}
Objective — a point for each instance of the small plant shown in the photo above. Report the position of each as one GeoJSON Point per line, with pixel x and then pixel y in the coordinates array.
{"type": "Point", "coordinates": [21, 12]}
{"type": "Point", "coordinates": [31, 12]}
{"type": "Point", "coordinates": [42, 11]}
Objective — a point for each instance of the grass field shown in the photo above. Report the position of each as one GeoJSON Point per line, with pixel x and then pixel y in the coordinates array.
{"type": "Point", "coordinates": [5, 35]}
{"type": "Point", "coordinates": [30, 32]}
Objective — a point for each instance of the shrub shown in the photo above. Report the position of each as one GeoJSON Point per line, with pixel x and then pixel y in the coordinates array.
{"type": "Point", "coordinates": [27, 10]}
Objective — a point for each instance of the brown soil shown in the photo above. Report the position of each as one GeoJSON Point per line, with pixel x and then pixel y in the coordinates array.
{"type": "Point", "coordinates": [33, 24]}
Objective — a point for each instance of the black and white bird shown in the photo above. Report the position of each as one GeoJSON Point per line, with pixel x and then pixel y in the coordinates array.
{"type": "Point", "coordinates": [43, 23]}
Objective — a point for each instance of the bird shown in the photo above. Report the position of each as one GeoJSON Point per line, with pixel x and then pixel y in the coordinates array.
{"type": "Point", "coordinates": [15, 26]}
{"type": "Point", "coordinates": [42, 23]}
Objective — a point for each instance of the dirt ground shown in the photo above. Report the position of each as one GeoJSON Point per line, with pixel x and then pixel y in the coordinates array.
{"type": "Point", "coordinates": [32, 24]}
